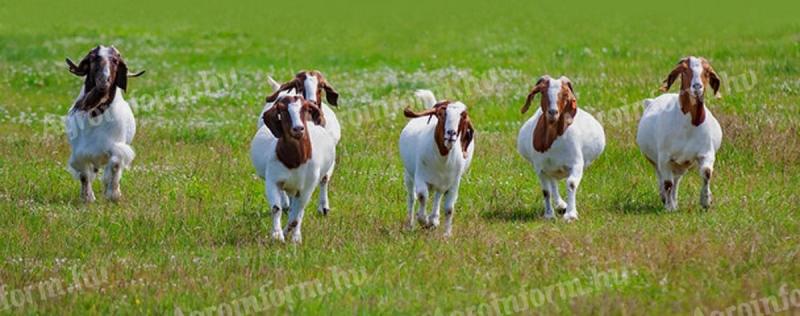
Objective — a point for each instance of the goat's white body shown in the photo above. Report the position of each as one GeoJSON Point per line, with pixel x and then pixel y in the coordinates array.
{"type": "Point", "coordinates": [571, 153]}
{"type": "Point", "coordinates": [667, 138]}
{"type": "Point", "coordinates": [427, 170]}
{"type": "Point", "coordinates": [292, 187]}
{"type": "Point", "coordinates": [102, 140]}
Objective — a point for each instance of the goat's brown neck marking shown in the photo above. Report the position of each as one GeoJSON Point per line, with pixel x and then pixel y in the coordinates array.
{"type": "Point", "coordinates": [693, 106]}
{"type": "Point", "coordinates": [545, 134]}
{"type": "Point", "coordinates": [293, 152]}
{"type": "Point", "coordinates": [94, 101]}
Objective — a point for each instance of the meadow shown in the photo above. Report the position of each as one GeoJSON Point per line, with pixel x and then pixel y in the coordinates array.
{"type": "Point", "coordinates": [192, 230]}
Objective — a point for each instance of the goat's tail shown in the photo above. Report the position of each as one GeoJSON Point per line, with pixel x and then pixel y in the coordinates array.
{"type": "Point", "coordinates": [273, 84]}
{"type": "Point", "coordinates": [123, 153]}
{"type": "Point", "coordinates": [427, 97]}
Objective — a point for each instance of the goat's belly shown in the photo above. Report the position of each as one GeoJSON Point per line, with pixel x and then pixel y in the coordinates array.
{"type": "Point", "coordinates": [555, 169]}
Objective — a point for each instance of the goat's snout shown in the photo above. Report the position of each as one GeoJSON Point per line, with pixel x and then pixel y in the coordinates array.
{"type": "Point", "coordinates": [298, 129]}
{"type": "Point", "coordinates": [552, 115]}
{"type": "Point", "coordinates": [451, 135]}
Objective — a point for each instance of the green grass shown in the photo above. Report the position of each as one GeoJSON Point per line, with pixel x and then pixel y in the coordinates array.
{"type": "Point", "coordinates": [192, 229]}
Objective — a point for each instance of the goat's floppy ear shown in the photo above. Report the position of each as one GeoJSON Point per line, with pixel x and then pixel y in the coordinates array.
{"type": "Point", "coordinates": [121, 80]}
{"type": "Point", "coordinates": [536, 89]}
{"type": "Point", "coordinates": [714, 80]}
{"type": "Point", "coordinates": [682, 64]}
{"type": "Point", "coordinates": [467, 133]}
{"type": "Point", "coordinates": [570, 111]}
{"type": "Point", "coordinates": [316, 114]}
{"type": "Point", "coordinates": [272, 120]}
{"type": "Point", "coordinates": [81, 69]}
{"type": "Point", "coordinates": [330, 93]}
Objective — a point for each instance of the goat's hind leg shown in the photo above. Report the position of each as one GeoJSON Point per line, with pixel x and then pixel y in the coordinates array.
{"type": "Point", "coordinates": [706, 172]}
{"type": "Point", "coordinates": [409, 182]}
{"type": "Point", "coordinates": [324, 206]}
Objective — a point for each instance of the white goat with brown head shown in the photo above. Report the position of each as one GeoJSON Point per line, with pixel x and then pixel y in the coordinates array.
{"type": "Point", "coordinates": [677, 131]}
{"type": "Point", "coordinates": [292, 152]}
{"type": "Point", "coordinates": [436, 147]}
{"type": "Point", "coordinates": [311, 84]}
{"type": "Point", "coordinates": [560, 141]}
{"type": "Point", "coordinates": [100, 124]}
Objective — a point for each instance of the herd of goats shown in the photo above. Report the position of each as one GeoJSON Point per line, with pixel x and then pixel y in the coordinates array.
{"type": "Point", "coordinates": [294, 149]}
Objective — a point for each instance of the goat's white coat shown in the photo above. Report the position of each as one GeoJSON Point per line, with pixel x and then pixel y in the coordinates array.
{"type": "Point", "coordinates": [667, 137]}
{"type": "Point", "coordinates": [427, 170]}
{"type": "Point", "coordinates": [291, 188]}
{"type": "Point", "coordinates": [102, 140]}
{"type": "Point", "coordinates": [568, 156]}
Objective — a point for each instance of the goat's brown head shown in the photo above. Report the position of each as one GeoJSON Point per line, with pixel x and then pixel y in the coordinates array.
{"type": "Point", "coordinates": [696, 75]}
{"type": "Point", "coordinates": [310, 84]}
{"type": "Point", "coordinates": [105, 70]}
{"type": "Point", "coordinates": [452, 124]}
{"type": "Point", "coordinates": [558, 99]}
{"type": "Point", "coordinates": [289, 115]}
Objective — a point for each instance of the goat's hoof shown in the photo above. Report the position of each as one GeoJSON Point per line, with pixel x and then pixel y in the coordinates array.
{"type": "Point", "coordinates": [561, 206]}
{"type": "Point", "coordinates": [447, 234]}
{"type": "Point", "coordinates": [278, 236]}
{"type": "Point", "coordinates": [422, 221]}
{"type": "Point", "coordinates": [433, 222]}
{"type": "Point", "coordinates": [324, 211]}
{"type": "Point", "coordinates": [114, 196]}
{"type": "Point", "coordinates": [549, 216]}
{"type": "Point", "coordinates": [88, 198]}
{"type": "Point", "coordinates": [297, 239]}
{"type": "Point", "coordinates": [571, 216]}
{"type": "Point", "coordinates": [705, 201]}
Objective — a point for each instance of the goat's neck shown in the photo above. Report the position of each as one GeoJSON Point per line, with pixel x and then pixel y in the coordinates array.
{"type": "Point", "coordinates": [293, 152]}
{"type": "Point", "coordinates": [693, 105]}
{"type": "Point", "coordinates": [438, 138]}
{"type": "Point", "coordinates": [545, 133]}
{"type": "Point", "coordinates": [96, 101]}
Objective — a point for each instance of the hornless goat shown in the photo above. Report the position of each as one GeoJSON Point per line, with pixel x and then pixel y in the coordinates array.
{"type": "Point", "coordinates": [436, 147]}
{"type": "Point", "coordinates": [311, 84]}
{"type": "Point", "coordinates": [100, 125]}
{"type": "Point", "coordinates": [560, 141]}
{"type": "Point", "coordinates": [677, 131]}
{"type": "Point", "coordinates": [292, 156]}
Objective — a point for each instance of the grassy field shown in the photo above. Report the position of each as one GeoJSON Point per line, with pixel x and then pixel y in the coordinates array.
{"type": "Point", "coordinates": [191, 233]}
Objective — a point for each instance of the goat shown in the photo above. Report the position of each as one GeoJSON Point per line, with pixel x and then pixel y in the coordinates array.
{"type": "Point", "coordinates": [100, 124]}
{"type": "Point", "coordinates": [436, 147]}
{"type": "Point", "coordinates": [560, 141]}
{"type": "Point", "coordinates": [677, 131]}
{"type": "Point", "coordinates": [292, 156]}
{"type": "Point", "coordinates": [311, 84]}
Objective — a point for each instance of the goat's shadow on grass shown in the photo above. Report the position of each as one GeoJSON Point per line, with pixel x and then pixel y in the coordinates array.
{"type": "Point", "coordinates": [637, 206]}
{"type": "Point", "coordinates": [512, 215]}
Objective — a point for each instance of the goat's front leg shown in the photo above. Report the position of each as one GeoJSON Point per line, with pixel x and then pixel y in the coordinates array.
{"type": "Point", "coordinates": [111, 177]}
{"type": "Point", "coordinates": [295, 222]}
{"type": "Point", "coordinates": [573, 181]}
{"type": "Point", "coordinates": [544, 181]}
{"type": "Point", "coordinates": [667, 184]}
{"type": "Point", "coordinates": [450, 198]}
{"type": "Point", "coordinates": [421, 188]}
{"type": "Point", "coordinates": [706, 172]}
{"type": "Point", "coordinates": [433, 219]}
{"type": "Point", "coordinates": [275, 198]}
